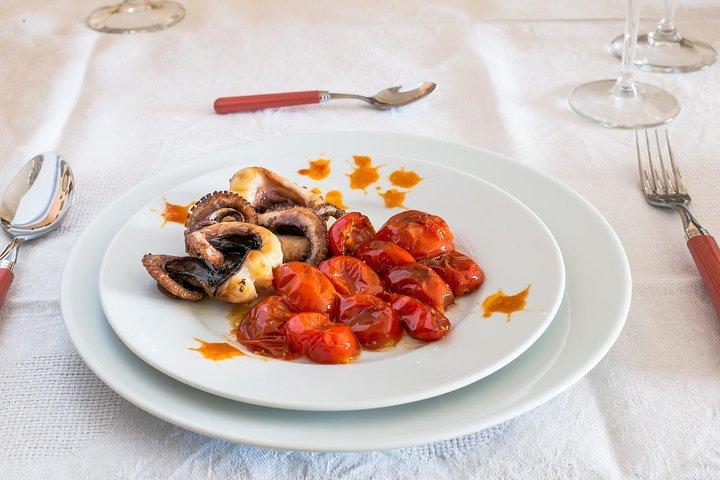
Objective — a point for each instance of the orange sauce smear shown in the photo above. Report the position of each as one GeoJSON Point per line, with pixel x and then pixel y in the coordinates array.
{"type": "Point", "coordinates": [216, 351]}
{"type": "Point", "coordinates": [405, 178]}
{"type": "Point", "coordinates": [317, 169]}
{"type": "Point", "coordinates": [365, 174]}
{"type": "Point", "coordinates": [335, 197]}
{"type": "Point", "coordinates": [176, 213]}
{"type": "Point", "coordinates": [394, 198]}
{"type": "Point", "coordinates": [316, 191]}
{"type": "Point", "coordinates": [499, 302]}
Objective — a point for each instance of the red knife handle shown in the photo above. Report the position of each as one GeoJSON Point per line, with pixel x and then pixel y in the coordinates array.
{"type": "Point", "coordinates": [705, 252]}
{"type": "Point", "coordinates": [6, 278]}
{"type": "Point", "coordinates": [259, 102]}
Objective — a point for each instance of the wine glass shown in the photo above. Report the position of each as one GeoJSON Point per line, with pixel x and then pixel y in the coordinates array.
{"type": "Point", "coordinates": [624, 103]}
{"type": "Point", "coordinates": [132, 16]}
{"type": "Point", "coordinates": [663, 49]}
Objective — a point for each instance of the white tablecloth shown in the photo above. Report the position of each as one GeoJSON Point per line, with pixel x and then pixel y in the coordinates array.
{"type": "Point", "coordinates": [121, 108]}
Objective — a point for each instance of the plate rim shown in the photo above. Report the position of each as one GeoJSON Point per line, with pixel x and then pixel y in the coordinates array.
{"type": "Point", "coordinates": [517, 407]}
{"type": "Point", "coordinates": [410, 395]}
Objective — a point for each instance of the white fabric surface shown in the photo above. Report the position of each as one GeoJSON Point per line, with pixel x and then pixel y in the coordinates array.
{"type": "Point", "coordinates": [121, 108]}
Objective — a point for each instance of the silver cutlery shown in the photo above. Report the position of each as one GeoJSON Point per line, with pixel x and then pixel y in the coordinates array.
{"type": "Point", "coordinates": [384, 99]}
{"type": "Point", "coordinates": [35, 203]}
{"type": "Point", "coordinates": [664, 188]}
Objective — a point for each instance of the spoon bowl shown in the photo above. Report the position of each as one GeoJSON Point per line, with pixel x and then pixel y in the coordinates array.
{"type": "Point", "coordinates": [35, 202]}
{"type": "Point", "coordinates": [402, 94]}
{"type": "Point", "coordinates": [38, 197]}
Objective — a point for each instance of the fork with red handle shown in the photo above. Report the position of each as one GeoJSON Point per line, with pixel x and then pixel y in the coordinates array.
{"type": "Point", "coordinates": [665, 188]}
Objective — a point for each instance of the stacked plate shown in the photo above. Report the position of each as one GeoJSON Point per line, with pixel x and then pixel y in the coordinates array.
{"type": "Point", "coordinates": [523, 227]}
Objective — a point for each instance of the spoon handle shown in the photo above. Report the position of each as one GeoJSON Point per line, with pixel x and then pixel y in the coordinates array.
{"type": "Point", "coordinates": [273, 100]}
{"type": "Point", "coordinates": [6, 278]}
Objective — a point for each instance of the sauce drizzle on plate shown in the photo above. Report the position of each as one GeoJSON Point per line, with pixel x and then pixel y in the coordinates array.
{"type": "Point", "coordinates": [317, 169]}
{"type": "Point", "coordinates": [394, 198]}
{"type": "Point", "coordinates": [499, 302]}
{"type": "Point", "coordinates": [365, 174]}
{"type": "Point", "coordinates": [217, 351]}
{"type": "Point", "coordinates": [335, 197]}
{"type": "Point", "coordinates": [173, 213]}
{"type": "Point", "coordinates": [405, 178]}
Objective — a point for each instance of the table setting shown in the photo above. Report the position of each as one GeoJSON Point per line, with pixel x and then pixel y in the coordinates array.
{"type": "Point", "coordinates": [499, 265]}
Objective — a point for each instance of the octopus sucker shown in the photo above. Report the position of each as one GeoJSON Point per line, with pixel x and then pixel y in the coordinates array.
{"type": "Point", "coordinates": [266, 191]}
{"type": "Point", "coordinates": [219, 207]}
{"type": "Point", "coordinates": [291, 225]}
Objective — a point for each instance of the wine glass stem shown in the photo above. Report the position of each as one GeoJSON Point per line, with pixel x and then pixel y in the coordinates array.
{"type": "Point", "coordinates": [666, 25]}
{"type": "Point", "coordinates": [132, 6]}
{"type": "Point", "coordinates": [625, 85]}
{"type": "Point", "coordinates": [665, 30]}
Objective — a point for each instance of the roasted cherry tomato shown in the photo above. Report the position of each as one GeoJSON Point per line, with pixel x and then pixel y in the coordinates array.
{"type": "Point", "coordinates": [381, 256]}
{"type": "Point", "coordinates": [304, 288]}
{"type": "Point", "coordinates": [263, 329]}
{"type": "Point", "coordinates": [374, 322]}
{"type": "Point", "coordinates": [349, 232]}
{"type": "Point", "coordinates": [419, 281]}
{"type": "Point", "coordinates": [319, 339]}
{"type": "Point", "coordinates": [419, 320]}
{"type": "Point", "coordinates": [421, 234]}
{"type": "Point", "coordinates": [459, 271]}
{"type": "Point", "coordinates": [350, 276]}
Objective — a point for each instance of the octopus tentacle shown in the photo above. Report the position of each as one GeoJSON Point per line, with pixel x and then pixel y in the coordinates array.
{"type": "Point", "coordinates": [298, 220]}
{"type": "Point", "coordinates": [266, 191]}
{"type": "Point", "coordinates": [218, 207]}
{"type": "Point", "coordinates": [155, 265]}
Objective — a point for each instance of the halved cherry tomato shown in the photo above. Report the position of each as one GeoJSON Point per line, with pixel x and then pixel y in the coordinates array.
{"type": "Point", "coordinates": [459, 271]}
{"type": "Point", "coordinates": [349, 232]}
{"type": "Point", "coordinates": [381, 256]}
{"type": "Point", "coordinates": [263, 329]}
{"type": "Point", "coordinates": [419, 320]}
{"type": "Point", "coordinates": [304, 288]}
{"type": "Point", "coordinates": [420, 233]}
{"type": "Point", "coordinates": [350, 276]}
{"type": "Point", "coordinates": [419, 281]}
{"type": "Point", "coordinates": [374, 322]}
{"type": "Point", "coordinates": [319, 339]}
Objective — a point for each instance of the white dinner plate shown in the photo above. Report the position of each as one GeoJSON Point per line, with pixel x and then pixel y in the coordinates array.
{"type": "Point", "coordinates": [512, 245]}
{"type": "Point", "coordinates": [585, 328]}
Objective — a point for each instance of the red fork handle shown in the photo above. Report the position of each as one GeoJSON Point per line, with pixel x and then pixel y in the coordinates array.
{"type": "Point", "coordinates": [705, 252]}
{"type": "Point", "coordinates": [259, 102]}
{"type": "Point", "coordinates": [6, 278]}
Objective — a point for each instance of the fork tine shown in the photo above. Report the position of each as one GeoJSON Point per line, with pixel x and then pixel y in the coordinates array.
{"type": "Point", "coordinates": [644, 184]}
{"type": "Point", "coordinates": [665, 177]}
{"type": "Point", "coordinates": [653, 172]}
{"type": "Point", "coordinates": [677, 177]}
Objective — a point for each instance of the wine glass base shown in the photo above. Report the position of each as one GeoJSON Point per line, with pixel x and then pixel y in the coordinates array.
{"type": "Point", "coordinates": [667, 56]}
{"type": "Point", "coordinates": [651, 107]}
{"type": "Point", "coordinates": [134, 16]}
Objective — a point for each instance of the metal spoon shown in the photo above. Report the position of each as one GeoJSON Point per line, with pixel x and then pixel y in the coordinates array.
{"type": "Point", "coordinates": [34, 203]}
{"type": "Point", "coordinates": [389, 98]}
